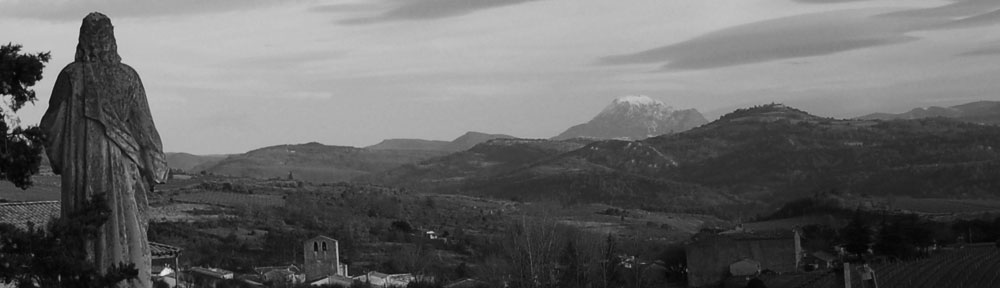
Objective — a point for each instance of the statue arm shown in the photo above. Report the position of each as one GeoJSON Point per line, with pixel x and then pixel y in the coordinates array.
{"type": "Point", "coordinates": [53, 122]}
{"type": "Point", "coordinates": [150, 148]}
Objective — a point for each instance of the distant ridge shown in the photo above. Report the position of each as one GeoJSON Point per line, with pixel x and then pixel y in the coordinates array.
{"type": "Point", "coordinates": [635, 118]}
{"type": "Point", "coordinates": [190, 162]}
{"type": "Point", "coordinates": [462, 143]}
{"type": "Point", "coordinates": [981, 112]}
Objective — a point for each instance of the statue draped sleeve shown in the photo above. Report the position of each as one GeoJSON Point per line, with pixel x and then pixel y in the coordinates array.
{"type": "Point", "coordinates": [150, 158]}
{"type": "Point", "coordinates": [52, 122]}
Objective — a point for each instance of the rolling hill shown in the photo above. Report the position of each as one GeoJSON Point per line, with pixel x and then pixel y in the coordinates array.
{"type": "Point", "coordinates": [190, 162]}
{"type": "Point", "coordinates": [484, 160]}
{"type": "Point", "coordinates": [315, 162]}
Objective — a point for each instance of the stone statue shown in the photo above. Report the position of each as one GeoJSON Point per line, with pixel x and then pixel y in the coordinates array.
{"type": "Point", "coordinates": [101, 140]}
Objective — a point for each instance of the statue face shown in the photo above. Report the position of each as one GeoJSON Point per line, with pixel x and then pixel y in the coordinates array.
{"type": "Point", "coordinates": [97, 40]}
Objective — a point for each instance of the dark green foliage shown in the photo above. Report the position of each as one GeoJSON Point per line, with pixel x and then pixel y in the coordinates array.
{"type": "Point", "coordinates": [857, 236]}
{"type": "Point", "coordinates": [160, 284]}
{"type": "Point", "coordinates": [20, 147]}
{"type": "Point", "coordinates": [55, 256]}
{"type": "Point", "coordinates": [977, 230]}
{"type": "Point", "coordinates": [904, 237]}
{"type": "Point", "coordinates": [233, 283]}
{"type": "Point", "coordinates": [756, 283]}
{"type": "Point", "coordinates": [808, 206]}
{"type": "Point", "coordinates": [402, 226]}
{"type": "Point", "coordinates": [571, 274]}
{"type": "Point", "coordinates": [424, 284]}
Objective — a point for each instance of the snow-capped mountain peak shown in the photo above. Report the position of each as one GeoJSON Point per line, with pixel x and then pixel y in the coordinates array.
{"type": "Point", "coordinates": [635, 117]}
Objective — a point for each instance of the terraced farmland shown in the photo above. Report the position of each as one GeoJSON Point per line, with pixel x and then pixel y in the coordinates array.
{"type": "Point", "coordinates": [230, 199]}
{"type": "Point", "coordinates": [976, 265]}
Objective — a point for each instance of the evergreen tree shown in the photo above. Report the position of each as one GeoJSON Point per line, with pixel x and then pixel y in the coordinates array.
{"type": "Point", "coordinates": [20, 147]}
{"type": "Point", "coordinates": [55, 256]}
{"type": "Point", "coordinates": [856, 235]}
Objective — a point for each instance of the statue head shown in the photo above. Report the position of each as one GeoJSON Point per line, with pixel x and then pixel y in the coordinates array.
{"type": "Point", "coordinates": [97, 40]}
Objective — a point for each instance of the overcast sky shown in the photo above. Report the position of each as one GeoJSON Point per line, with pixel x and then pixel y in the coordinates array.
{"type": "Point", "coordinates": [227, 76]}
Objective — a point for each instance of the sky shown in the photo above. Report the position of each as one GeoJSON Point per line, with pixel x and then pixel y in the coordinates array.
{"type": "Point", "coordinates": [228, 76]}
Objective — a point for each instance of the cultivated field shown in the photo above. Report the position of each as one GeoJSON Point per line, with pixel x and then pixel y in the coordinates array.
{"type": "Point", "coordinates": [976, 265]}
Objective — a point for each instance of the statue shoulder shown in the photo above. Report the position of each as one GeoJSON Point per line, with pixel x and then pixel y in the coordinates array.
{"type": "Point", "coordinates": [128, 69]}
{"type": "Point", "coordinates": [70, 68]}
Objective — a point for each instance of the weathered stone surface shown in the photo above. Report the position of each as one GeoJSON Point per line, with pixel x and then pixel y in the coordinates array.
{"type": "Point", "coordinates": [101, 140]}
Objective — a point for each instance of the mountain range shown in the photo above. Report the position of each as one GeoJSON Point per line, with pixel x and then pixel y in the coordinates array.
{"type": "Point", "coordinates": [981, 112]}
{"type": "Point", "coordinates": [751, 156]}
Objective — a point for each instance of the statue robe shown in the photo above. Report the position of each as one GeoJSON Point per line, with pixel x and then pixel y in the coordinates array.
{"type": "Point", "coordinates": [101, 140]}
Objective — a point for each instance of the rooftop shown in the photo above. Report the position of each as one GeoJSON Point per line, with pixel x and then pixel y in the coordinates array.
{"type": "Point", "coordinates": [39, 213]}
{"type": "Point", "coordinates": [212, 272]}
{"type": "Point", "coordinates": [24, 214]}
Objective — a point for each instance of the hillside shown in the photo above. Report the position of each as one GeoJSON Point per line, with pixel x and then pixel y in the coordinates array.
{"type": "Point", "coordinates": [756, 157]}
{"type": "Point", "coordinates": [634, 118]}
{"type": "Point", "coordinates": [315, 162]}
{"type": "Point", "coordinates": [981, 112]}
{"type": "Point", "coordinates": [462, 143]}
{"type": "Point", "coordinates": [482, 161]}
{"type": "Point", "coordinates": [410, 144]}
{"type": "Point", "coordinates": [190, 162]}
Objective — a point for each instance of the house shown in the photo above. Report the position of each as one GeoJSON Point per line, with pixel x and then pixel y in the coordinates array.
{"type": "Point", "coordinates": [711, 256]}
{"type": "Point", "coordinates": [378, 279]}
{"type": "Point", "coordinates": [207, 277]}
{"type": "Point", "coordinates": [374, 278]}
{"type": "Point", "coordinates": [399, 280]}
{"type": "Point", "coordinates": [322, 258]}
{"type": "Point", "coordinates": [283, 274]}
{"type": "Point", "coordinates": [333, 280]}
{"type": "Point", "coordinates": [466, 283]}
{"type": "Point", "coordinates": [820, 260]}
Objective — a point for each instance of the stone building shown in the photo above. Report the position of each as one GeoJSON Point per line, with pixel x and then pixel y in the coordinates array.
{"type": "Point", "coordinates": [710, 256]}
{"type": "Point", "coordinates": [322, 258]}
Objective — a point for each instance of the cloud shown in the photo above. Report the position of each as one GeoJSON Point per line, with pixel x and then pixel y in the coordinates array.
{"type": "Point", "coordinates": [981, 20]}
{"type": "Point", "coordinates": [983, 52]}
{"type": "Point", "coordinates": [284, 61]}
{"type": "Point", "coordinates": [827, 1]}
{"type": "Point", "coordinates": [959, 8]}
{"type": "Point", "coordinates": [75, 10]}
{"type": "Point", "coordinates": [403, 10]}
{"type": "Point", "coordinates": [770, 40]}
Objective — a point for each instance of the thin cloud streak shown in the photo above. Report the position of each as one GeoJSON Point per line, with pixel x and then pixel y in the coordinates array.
{"type": "Point", "coordinates": [66, 10]}
{"type": "Point", "coordinates": [770, 40]}
{"type": "Point", "coordinates": [409, 10]}
{"type": "Point", "coordinates": [828, 1]}
{"type": "Point", "coordinates": [982, 52]}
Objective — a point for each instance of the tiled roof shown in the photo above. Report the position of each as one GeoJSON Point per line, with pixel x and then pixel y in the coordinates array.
{"type": "Point", "coordinates": [265, 269]}
{"type": "Point", "coordinates": [21, 213]}
{"type": "Point", "coordinates": [213, 272]}
{"type": "Point", "coordinates": [162, 251]}
{"type": "Point", "coordinates": [760, 235]}
{"type": "Point", "coordinates": [39, 213]}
